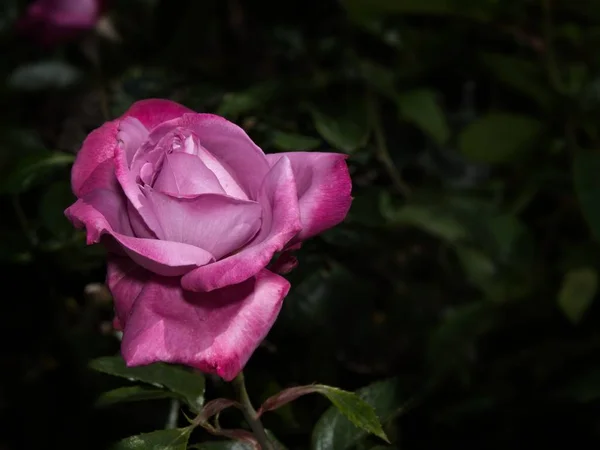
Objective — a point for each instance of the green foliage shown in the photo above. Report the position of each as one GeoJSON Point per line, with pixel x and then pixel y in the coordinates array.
{"type": "Point", "coordinates": [190, 386]}
{"type": "Point", "coordinates": [131, 394]}
{"type": "Point", "coordinates": [157, 440]}
{"type": "Point", "coordinates": [577, 292]}
{"type": "Point", "coordinates": [421, 108]}
{"type": "Point", "coordinates": [336, 428]}
{"type": "Point", "coordinates": [499, 138]}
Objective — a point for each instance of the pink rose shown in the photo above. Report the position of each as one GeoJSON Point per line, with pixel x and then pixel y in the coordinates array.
{"type": "Point", "coordinates": [53, 21]}
{"type": "Point", "coordinates": [192, 211]}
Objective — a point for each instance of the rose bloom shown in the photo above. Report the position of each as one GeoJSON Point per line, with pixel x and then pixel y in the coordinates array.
{"type": "Point", "coordinates": [192, 212]}
{"type": "Point", "coordinates": [54, 21]}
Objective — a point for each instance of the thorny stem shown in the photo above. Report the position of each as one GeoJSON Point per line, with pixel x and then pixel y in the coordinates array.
{"type": "Point", "coordinates": [250, 413]}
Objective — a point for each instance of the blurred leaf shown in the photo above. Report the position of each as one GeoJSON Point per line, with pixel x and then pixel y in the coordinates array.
{"type": "Point", "coordinates": [289, 141]}
{"type": "Point", "coordinates": [189, 385]}
{"type": "Point", "coordinates": [478, 267]}
{"type": "Point", "coordinates": [157, 440]}
{"type": "Point", "coordinates": [9, 12]}
{"type": "Point", "coordinates": [521, 74]}
{"type": "Point", "coordinates": [434, 220]}
{"type": "Point", "coordinates": [44, 75]}
{"type": "Point", "coordinates": [53, 203]}
{"type": "Point", "coordinates": [474, 10]}
{"type": "Point", "coordinates": [452, 344]}
{"type": "Point", "coordinates": [235, 104]}
{"type": "Point", "coordinates": [577, 292]}
{"type": "Point", "coordinates": [421, 108]}
{"type": "Point", "coordinates": [584, 388]}
{"type": "Point", "coordinates": [379, 77]}
{"type": "Point", "coordinates": [586, 167]}
{"type": "Point", "coordinates": [499, 137]}
{"type": "Point", "coordinates": [15, 247]}
{"type": "Point", "coordinates": [31, 169]}
{"type": "Point", "coordinates": [347, 129]}
{"type": "Point", "coordinates": [333, 431]}
{"type": "Point", "coordinates": [131, 394]}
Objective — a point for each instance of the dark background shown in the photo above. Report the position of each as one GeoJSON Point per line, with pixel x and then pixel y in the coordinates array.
{"type": "Point", "coordinates": [465, 274]}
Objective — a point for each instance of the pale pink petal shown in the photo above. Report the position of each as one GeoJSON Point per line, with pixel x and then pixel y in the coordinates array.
{"type": "Point", "coordinates": [126, 280]}
{"type": "Point", "coordinates": [98, 147]}
{"type": "Point", "coordinates": [230, 185]}
{"type": "Point", "coordinates": [324, 189]}
{"type": "Point", "coordinates": [232, 147]}
{"type": "Point", "coordinates": [145, 217]}
{"type": "Point", "coordinates": [214, 222]}
{"type": "Point", "coordinates": [281, 222]}
{"type": "Point", "coordinates": [131, 136]}
{"type": "Point", "coordinates": [153, 112]}
{"type": "Point", "coordinates": [100, 213]}
{"type": "Point", "coordinates": [185, 175]}
{"type": "Point", "coordinates": [216, 332]}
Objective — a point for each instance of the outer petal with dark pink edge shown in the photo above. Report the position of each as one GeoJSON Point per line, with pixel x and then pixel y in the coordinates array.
{"type": "Point", "coordinates": [101, 213]}
{"type": "Point", "coordinates": [154, 111]}
{"type": "Point", "coordinates": [98, 147]}
{"type": "Point", "coordinates": [216, 332]}
{"type": "Point", "coordinates": [280, 223]}
{"type": "Point", "coordinates": [324, 188]}
{"type": "Point", "coordinates": [232, 147]}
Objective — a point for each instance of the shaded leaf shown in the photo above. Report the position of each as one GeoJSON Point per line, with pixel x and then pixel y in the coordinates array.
{"type": "Point", "coordinates": [131, 394]}
{"type": "Point", "coordinates": [52, 205]}
{"type": "Point", "coordinates": [177, 379]}
{"type": "Point", "coordinates": [584, 388]}
{"type": "Point", "coordinates": [586, 167]}
{"type": "Point", "coordinates": [421, 108]}
{"type": "Point", "coordinates": [334, 431]}
{"type": "Point", "coordinates": [289, 141]}
{"type": "Point", "coordinates": [32, 169]}
{"type": "Point", "coordinates": [431, 219]}
{"type": "Point", "coordinates": [499, 137]}
{"type": "Point", "coordinates": [577, 292]}
{"type": "Point", "coordinates": [235, 104]}
{"type": "Point", "coordinates": [521, 74]}
{"type": "Point", "coordinates": [175, 439]}
{"type": "Point", "coordinates": [472, 10]}
{"type": "Point", "coordinates": [43, 75]}
{"type": "Point", "coordinates": [346, 129]}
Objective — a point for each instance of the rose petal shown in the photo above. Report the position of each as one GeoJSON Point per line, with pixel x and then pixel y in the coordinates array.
{"type": "Point", "coordinates": [126, 280]}
{"type": "Point", "coordinates": [281, 222]}
{"type": "Point", "coordinates": [131, 135]}
{"type": "Point", "coordinates": [216, 332]}
{"type": "Point", "coordinates": [324, 188]}
{"type": "Point", "coordinates": [185, 175]}
{"type": "Point", "coordinates": [153, 112]}
{"type": "Point", "coordinates": [230, 185]}
{"type": "Point", "coordinates": [101, 213]}
{"type": "Point", "coordinates": [98, 147]}
{"type": "Point", "coordinates": [216, 223]}
{"type": "Point", "coordinates": [232, 147]}
{"type": "Point", "coordinates": [137, 200]}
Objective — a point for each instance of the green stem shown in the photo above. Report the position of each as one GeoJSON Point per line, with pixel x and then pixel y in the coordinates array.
{"type": "Point", "coordinates": [381, 147]}
{"type": "Point", "coordinates": [250, 413]}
